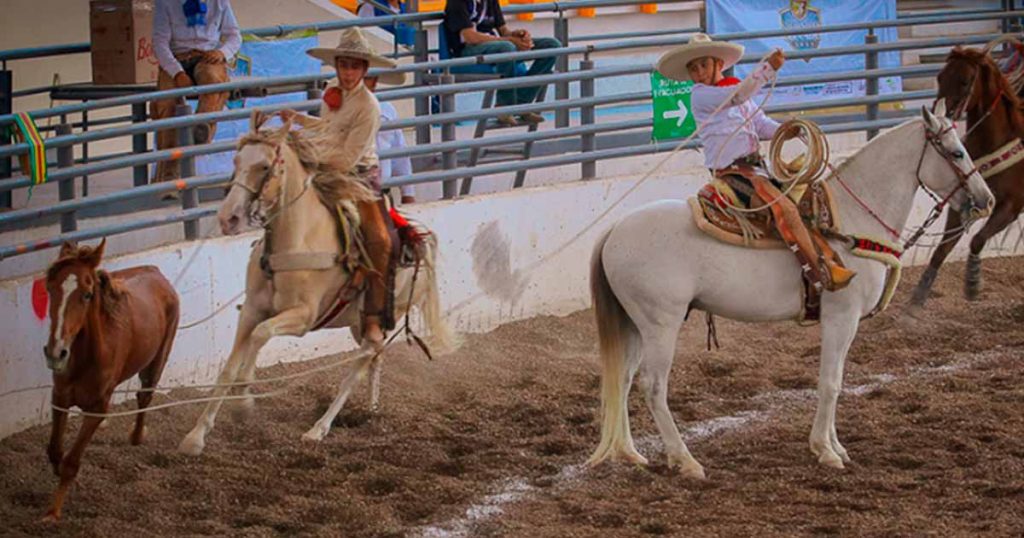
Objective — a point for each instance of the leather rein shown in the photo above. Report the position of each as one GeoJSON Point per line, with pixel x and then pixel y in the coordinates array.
{"type": "Point", "coordinates": [940, 203]}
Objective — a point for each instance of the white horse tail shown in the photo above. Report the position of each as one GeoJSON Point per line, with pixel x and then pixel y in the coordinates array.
{"type": "Point", "coordinates": [618, 335]}
{"type": "Point", "coordinates": [441, 336]}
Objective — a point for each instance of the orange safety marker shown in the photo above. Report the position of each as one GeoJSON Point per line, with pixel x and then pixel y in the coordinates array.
{"type": "Point", "coordinates": [523, 16]}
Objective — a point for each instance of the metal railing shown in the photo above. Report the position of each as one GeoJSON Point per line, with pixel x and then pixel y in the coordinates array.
{"type": "Point", "coordinates": [590, 141]}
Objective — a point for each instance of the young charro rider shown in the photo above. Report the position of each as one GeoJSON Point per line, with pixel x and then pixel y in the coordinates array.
{"type": "Point", "coordinates": [352, 112]}
{"type": "Point", "coordinates": [731, 139]}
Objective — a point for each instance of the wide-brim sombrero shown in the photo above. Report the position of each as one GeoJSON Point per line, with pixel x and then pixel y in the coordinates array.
{"type": "Point", "coordinates": [351, 44]}
{"type": "Point", "coordinates": [390, 78]}
{"type": "Point", "coordinates": [673, 63]}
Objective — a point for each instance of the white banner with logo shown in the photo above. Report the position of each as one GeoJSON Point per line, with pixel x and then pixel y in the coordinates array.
{"type": "Point", "coordinates": [728, 16]}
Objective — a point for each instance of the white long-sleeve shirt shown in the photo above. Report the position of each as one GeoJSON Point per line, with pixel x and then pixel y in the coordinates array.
{"type": "Point", "coordinates": [393, 139]}
{"type": "Point", "coordinates": [719, 150]}
{"type": "Point", "coordinates": [172, 34]}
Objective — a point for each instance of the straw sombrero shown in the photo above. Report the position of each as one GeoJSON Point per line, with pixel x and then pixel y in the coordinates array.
{"type": "Point", "coordinates": [351, 44]}
{"type": "Point", "coordinates": [672, 64]}
{"type": "Point", "coordinates": [389, 78]}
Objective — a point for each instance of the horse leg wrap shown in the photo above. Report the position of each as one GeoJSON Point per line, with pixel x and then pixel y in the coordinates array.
{"type": "Point", "coordinates": [972, 279]}
{"type": "Point", "coordinates": [924, 286]}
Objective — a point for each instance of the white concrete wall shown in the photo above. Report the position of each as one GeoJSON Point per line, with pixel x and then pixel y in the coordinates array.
{"type": "Point", "coordinates": [540, 225]}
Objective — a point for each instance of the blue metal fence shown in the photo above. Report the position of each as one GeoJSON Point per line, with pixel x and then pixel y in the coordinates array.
{"type": "Point", "coordinates": [584, 139]}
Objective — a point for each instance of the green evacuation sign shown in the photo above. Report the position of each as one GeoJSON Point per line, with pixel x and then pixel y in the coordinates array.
{"type": "Point", "coordinates": [672, 117]}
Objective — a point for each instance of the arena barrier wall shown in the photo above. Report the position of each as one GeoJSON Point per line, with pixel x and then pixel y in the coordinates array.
{"type": "Point", "coordinates": [504, 257]}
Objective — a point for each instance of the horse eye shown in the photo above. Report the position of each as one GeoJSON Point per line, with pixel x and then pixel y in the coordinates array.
{"type": "Point", "coordinates": [87, 296]}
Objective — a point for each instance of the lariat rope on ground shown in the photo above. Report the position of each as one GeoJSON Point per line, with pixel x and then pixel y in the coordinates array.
{"type": "Point", "coordinates": [342, 360]}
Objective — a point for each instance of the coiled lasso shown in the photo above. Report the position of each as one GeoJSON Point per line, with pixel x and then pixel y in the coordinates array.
{"type": "Point", "coordinates": [807, 167]}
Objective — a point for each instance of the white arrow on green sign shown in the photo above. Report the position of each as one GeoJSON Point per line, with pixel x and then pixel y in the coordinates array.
{"type": "Point", "coordinates": [672, 117]}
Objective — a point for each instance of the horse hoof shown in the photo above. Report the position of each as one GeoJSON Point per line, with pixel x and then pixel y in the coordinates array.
{"type": "Point", "coordinates": [830, 459]}
{"type": "Point", "coordinates": [50, 518]}
{"type": "Point", "coordinates": [914, 312]}
{"type": "Point", "coordinates": [191, 447]}
{"type": "Point", "coordinates": [315, 434]}
{"type": "Point", "coordinates": [693, 470]}
{"type": "Point", "coordinates": [631, 456]}
{"type": "Point", "coordinates": [244, 411]}
{"type": "Point", "coordinates": [139, 437]}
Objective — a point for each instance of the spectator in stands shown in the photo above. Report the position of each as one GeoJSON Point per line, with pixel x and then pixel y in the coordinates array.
{"type": "Point", "coordinates": [392, 139]}
{"type": "Point", "coordinates": [476, 27]}
{"type": "Point", "coordinates": [193, 41]}
{"type": "Point", "coordinates": [403, 33]}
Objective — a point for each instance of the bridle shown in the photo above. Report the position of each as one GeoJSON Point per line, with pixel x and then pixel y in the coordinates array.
{"type": "Point", "coordinates": [259, 202]}
{"type": "Point", "coordinates": [935, 140]}
{"type": "Point", "coordinates": [962, 107]}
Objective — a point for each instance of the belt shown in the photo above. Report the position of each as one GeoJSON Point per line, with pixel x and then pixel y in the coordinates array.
{"type": "Point", "coordinates": [751, 159]}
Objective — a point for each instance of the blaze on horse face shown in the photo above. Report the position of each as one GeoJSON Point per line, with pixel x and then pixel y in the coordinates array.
{"type": "Point", "coordinates": [72, 286]}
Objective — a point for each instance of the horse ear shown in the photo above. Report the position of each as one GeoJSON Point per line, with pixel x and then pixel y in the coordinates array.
{"type": "Point", "coordinates": [256, 120]}
{"type": "Point", "coordinates": [67, 249]}
{"type": "Point", "coordinates": [929, 119]}
{"type": "Point", "coordinates": [940, 108]}
{"type": "Point", "coordinates": [286, 126]}
{"type": "Point", "coordinates": [96, 255]}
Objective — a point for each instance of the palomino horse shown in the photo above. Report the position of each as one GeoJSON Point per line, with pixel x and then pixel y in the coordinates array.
{"type": "Point", "coordinates": [971, 81]}
{"type": "Point", "coordinates": [308, 266]}
{"type": "Point", "coordinates": [654, 266]}
{"type": "Point", "coordinates": [104, 328]}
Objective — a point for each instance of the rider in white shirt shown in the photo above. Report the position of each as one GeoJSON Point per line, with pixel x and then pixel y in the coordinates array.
{"type": "Point", "coordinates": [731, 138]}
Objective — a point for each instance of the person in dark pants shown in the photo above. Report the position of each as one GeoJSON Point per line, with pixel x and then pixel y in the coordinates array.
{"type": "Point", "coordinates": [193, 41]}
{"type": "Point", "coordinates": [477, 27]}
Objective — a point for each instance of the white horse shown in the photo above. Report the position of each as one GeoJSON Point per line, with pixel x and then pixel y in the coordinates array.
{"type": "Point", "coordinates": [308, 269]}
{"type": "Point", "coordinates": [655, 265]}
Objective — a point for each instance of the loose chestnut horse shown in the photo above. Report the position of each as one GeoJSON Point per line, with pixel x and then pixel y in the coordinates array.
{"type": "Point", "coordinates": [104, 328]}
{"type": "Point", "coordinates": [972, 82]}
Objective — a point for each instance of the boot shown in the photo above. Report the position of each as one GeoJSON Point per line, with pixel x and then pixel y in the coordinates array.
{"type": "Point", "coordinates": [839, 275]}
{"type": "Point", "coordinates": [793, 231]}
{"type": "Point", "coordinates": [378, 250]}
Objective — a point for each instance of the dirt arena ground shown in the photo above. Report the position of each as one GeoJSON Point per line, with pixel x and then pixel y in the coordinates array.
{"type": "Point", "coordinates": [489, 441]}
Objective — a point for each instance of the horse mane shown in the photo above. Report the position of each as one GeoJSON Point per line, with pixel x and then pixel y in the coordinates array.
{"type": "Point", "coordinates": [880, 140]}
{"type": "Point", "coordinates": [111, 291]}
{"type": "Point", "coordinates": [315, 148]}
{"type": "Point", "coordinates": [992, 79]}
